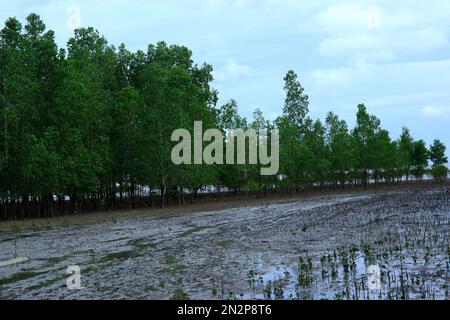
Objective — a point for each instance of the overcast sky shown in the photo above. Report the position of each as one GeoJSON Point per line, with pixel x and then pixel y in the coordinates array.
{"type": "Point", "coordinates": [392, 55]}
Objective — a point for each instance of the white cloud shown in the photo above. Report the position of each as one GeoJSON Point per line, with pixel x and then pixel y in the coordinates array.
{"type": "Point", "coordinates": [240, 3]}
{"type": "Point", "coordinates": [436, 112]}
{"type": "Point", "coordinates": [233, 70]}
{"type": "Point", "coordinates": [408, 99]}
{"type": "Point", "coordinates": [378, 33]}
{"type": "Point", "coordinates": [293, 5]}
{"type": "Point", "coordinates": [338, 20]}
{"type": "Point", "coordinates": [381, 47]}
{"type": "Point", "coordinates": [332, 78]}
{"type": "Point", "coordinates": [350, 44]}
{"type": "Point", "coordinates": [217, 5]}
{"type": "Point", "coordinates": [214, 38]}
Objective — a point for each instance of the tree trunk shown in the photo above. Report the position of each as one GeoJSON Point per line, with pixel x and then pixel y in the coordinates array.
{"type": "Point", "coordinates": [162, 189]}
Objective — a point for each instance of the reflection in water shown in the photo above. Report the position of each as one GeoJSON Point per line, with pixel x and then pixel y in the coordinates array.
{"type": "Point", "coordinates": [343, 275]}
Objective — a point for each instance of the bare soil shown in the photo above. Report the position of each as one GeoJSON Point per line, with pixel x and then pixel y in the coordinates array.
{"type": "Point", "coordinates": [315, 247]}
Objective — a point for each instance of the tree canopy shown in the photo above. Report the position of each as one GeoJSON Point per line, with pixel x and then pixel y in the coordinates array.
{"type": "Point", "coordinates": [89, 128]}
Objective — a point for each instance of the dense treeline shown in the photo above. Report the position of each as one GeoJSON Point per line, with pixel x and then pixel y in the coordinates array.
{"type": "Point", "coordinates": [89, 128]}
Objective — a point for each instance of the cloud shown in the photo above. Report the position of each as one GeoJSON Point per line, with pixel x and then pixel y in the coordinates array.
{"type": "Point", "coordinates": [377, 32]}
{"type": "Point", "coordinates": [214, 38]}
{"type": "Point", "coordinates": [338, 20]}
{"type": "Point", "coordinates": [432, 112]}
{"type": "Point", "coordinates": [383, 48]}
{"type": "Point", "coordinates": [351, 44]}
{"type": "Point", "coordinates": [240, 3]}
{"type": "Point", "coordinates": [233, 70]}
{"type": "Point", "coordinates": [217, 5]}
{"type": "Point", "coordinates": [410, 100]}
{"type": "Point", "coordinates": [292, 5]}
{"type": "Point", "coordinates": [332, 78]}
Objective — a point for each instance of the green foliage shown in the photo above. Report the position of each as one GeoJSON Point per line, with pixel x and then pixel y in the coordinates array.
{"type": "Point", "coordinates": [339, 142]}
{"type": "Point", "coordinates": [296, 105]}
{"type": "Point", "coordinates": [420, 158]}
{"type": "Point", "coordinates": [406, 152]}
{"type": "Point", "coordinates": [180, 295]}
{"type": "Point", "coordinates": [90, 129]}
{"type": "Point", "coordinates": [439, 172]}
{"type": "Point", "coordinates": [437, 153]}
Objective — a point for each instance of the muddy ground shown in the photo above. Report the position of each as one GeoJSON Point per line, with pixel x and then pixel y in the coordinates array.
{"type": "Point", "coordinates": [315, 248]}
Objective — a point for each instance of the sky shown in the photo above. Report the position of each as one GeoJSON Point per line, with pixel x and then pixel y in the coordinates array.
{"type": "Point", "coordinates": [394, 56]}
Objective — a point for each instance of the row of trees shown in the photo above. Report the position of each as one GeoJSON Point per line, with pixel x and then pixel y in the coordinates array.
{"type": "Point", "coordinates": [89, 128]}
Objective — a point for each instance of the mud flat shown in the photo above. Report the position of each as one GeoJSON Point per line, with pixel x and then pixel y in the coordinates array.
{"type": "Point", "coordinates": [317, 248]}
